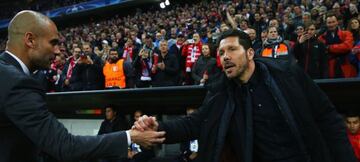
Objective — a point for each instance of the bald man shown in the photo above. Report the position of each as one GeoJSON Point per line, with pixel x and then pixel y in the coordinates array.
{"type": "Point", "coordinates": [27, 127]}
{"type": "Point", "coordinates": [255, 43]}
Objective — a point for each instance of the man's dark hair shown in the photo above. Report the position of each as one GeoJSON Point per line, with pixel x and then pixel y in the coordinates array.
{"type": "Point", "coordinates": [244, 20]}
{"type": "Point", "coordinates": [352, 113]}
{"type": "Point", "coordinates": [307, 25]}
{"type": "Point", "coordinates": [330, 14]}
{"type": "Point", "coordinates": [244, 38]}
{"type": "Point", "coordinates": [112, 107]}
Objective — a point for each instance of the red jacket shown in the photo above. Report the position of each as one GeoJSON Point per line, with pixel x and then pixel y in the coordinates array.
{"type": "Point", "coordinates": [355, 142]}
{"type": "Point", "coordinates": [341, 49]}
{"type": "Point", "coordinates": [192, 53]}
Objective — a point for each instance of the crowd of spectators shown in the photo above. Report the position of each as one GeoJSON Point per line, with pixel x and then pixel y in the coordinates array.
{"type": "Point", "coordinates": [177, 45]}
{"type": "Point", "coordinates": [10, 8]}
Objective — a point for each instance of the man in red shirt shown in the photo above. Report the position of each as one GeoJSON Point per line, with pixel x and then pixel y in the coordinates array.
{"type": "Point", "coordinates": [353, 127]}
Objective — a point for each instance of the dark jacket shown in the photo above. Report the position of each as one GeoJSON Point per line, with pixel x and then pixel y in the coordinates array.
{"type": "Point", "coordinates": [27, 127]}
{"type": "Point", "coordinates": [321, 128]}
{"type": "Point", "coordinates": [256, 44]}
{"type": "Point", "coordinates": [88, 76]}
{"type": "Point", "coordinates": [202, 65]}
{"type": "Point", "coordinates": [118, 124]}
{"type": "Point", "coordinates": [141, 64]}
{"type": "Point", "coordinates": [177, 52]}
{"type": "Point", "coordinates": [312, 58]}
{"type": "Point", "coordinates": [170, 75]}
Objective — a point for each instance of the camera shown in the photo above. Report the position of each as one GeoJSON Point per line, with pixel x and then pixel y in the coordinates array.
{"type": "Point", "coordinates": [190, 41]}
{"type": "Point", "coordinates": [83, 55]}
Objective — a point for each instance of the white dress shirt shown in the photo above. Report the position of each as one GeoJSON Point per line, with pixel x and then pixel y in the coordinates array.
{"type": "Point", "coordinates": [23, 66]}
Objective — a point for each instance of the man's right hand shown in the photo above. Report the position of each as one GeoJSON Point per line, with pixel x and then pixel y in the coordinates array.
{"type": "Point", "coordinates": [80, 60]}
{"type": "Point", "coordinates": [146, 138]}
{"type": "Point", "coordinates": [146, 123]}
{"type": "Point", "coordinates": [303, 38]}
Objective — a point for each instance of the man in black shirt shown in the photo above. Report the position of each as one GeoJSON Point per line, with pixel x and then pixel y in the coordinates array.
{"type": "Point", "coordinates": [263, 110]}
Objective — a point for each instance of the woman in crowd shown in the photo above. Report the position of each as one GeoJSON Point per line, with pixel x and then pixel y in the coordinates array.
{"type": "Point", "coordinates": [205, 70]}
{"type": "Point", "coordinates": [354, 28]}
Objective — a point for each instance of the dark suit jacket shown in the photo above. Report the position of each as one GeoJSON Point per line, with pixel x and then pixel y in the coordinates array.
{"type": "Point", "coordinates": [27, 127]}
{"type": "Point", "coordinates": [168, 76]}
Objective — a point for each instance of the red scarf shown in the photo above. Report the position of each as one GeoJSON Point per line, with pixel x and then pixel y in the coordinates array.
{"type": "Point", "coordinates": [355, 142]}
{"type": "Point", "coordinates": [128, 53]}
{"type": "Point", "coordinates": [178, 44]}
{"type": "Point", "coordinates": [70, 68]}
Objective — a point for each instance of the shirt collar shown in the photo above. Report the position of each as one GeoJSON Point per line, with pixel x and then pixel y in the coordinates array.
{"type": "Point", "coordinates": [23, 66]}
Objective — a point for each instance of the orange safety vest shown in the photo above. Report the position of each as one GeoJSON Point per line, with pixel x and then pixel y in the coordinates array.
{"type": "Point", "coordinates": [114, 74]}
{"type": "Point", "coordinates": [280, 50]}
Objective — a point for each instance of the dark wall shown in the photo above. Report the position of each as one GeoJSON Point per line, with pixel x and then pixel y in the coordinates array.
{"type": "Point", "coordinates": [344, 94]}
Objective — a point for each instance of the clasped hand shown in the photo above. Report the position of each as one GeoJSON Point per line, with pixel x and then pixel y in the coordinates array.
{"type": "Point", "coordinates": [144, 132]}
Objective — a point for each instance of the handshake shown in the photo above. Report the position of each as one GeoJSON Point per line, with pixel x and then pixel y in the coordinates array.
{"type": "Point", "coordinates": [144, 132]}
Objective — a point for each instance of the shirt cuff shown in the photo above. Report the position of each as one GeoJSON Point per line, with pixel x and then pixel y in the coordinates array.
{"type": "Point", "coordinates": [128, 138]}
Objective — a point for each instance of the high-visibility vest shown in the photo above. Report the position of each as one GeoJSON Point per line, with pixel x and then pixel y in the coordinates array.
{"type": "Point", "coordinates": [279, 50]}
{"type": "Point", "coordinates": [114, 74]}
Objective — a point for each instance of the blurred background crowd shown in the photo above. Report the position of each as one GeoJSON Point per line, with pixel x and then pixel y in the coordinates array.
{"type": "Point", "coordinates": [177, 45]}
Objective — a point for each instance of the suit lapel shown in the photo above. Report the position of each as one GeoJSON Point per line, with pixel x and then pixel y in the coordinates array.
{"type": "Point", "coordinates": [10, 60]}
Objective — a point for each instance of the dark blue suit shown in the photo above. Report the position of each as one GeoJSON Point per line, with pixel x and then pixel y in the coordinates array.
{"type": "Point", "coordinates": [27, 127]}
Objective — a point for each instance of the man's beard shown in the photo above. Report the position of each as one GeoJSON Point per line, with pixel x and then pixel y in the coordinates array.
{"type": "Point", "coordinates": [41, 65]}
{"type": "Point", "coordinates": [113, 60]}
{"type": "Point", "coordinates": [41, 62]}
{"type": "Point", "coordinates": [241, 71]}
